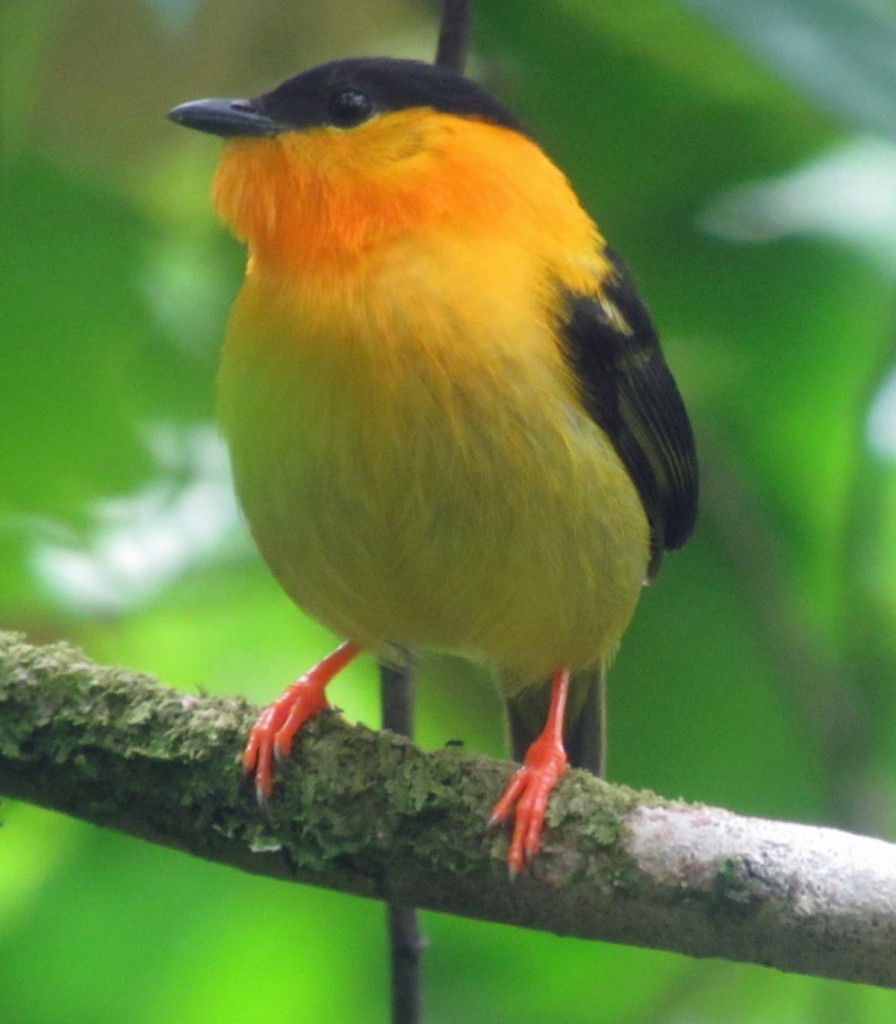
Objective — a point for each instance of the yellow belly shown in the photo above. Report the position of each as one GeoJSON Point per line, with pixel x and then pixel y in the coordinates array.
{"type": "Point", "coordinates": [418, 477]}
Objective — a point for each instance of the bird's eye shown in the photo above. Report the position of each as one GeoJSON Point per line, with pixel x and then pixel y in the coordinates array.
{"type": "Point", "coordinates": [349, 107]}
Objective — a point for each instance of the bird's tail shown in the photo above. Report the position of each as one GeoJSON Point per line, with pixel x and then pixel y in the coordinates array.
{"type": "Point", "coordinates": [585, 731]}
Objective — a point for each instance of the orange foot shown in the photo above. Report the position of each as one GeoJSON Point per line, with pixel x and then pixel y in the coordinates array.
{"type": "Point", "coordinates": [531, 785]}
{"type": "Point", "coordinates": [273, 734]}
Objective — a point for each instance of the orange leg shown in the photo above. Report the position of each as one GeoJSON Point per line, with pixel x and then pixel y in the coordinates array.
{"type": "Point", "coordinates": [531, 785]}
{"type": "Point", "coordinates": [276, 728]}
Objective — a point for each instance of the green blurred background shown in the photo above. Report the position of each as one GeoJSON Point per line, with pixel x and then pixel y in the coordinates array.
{"type": "Point", "coordinates": [740, 155]}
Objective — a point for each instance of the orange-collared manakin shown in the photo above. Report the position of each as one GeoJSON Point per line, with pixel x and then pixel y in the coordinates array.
{"type": "Point", "coordinates": [450, 422]}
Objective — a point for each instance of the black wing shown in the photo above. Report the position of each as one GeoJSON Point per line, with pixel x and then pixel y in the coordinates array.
{"type": "Point", "coordinates": [626, 387]}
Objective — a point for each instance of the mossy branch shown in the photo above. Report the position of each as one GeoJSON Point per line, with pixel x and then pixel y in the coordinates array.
{"type": "Point", "coordinates": [369, 813]}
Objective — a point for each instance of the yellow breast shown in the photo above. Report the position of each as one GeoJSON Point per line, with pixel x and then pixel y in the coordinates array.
{"type": "Point", "coordinates": [409, 450]}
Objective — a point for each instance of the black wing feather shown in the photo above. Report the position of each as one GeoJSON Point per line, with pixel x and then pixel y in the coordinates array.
{"type": "Point", "coordinates": [628, 390]}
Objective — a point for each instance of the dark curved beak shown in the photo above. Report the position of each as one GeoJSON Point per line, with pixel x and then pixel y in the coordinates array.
{"type": "Point", "coordinates": [227, 118]}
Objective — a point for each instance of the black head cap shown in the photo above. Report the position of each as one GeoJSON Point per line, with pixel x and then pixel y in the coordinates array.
{"type": "Point", "coordinates": [345, 93]}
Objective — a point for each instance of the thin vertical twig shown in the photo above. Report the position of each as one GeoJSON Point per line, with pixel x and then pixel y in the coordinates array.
{"type": "Point", "coordinates": [454, 35]}
{"type": "Point", "coordinates": [407, 949]}
{"type": "Point", "coordinates": [406, 942]}
{"type": "Point", "coordinates": [397, 698]}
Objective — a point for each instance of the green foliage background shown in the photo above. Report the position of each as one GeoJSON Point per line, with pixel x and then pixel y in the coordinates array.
{"type": "Point", "coordinates": [758, 675]}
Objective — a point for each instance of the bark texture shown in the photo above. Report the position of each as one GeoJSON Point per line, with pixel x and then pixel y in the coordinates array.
{"type": "Point", "coordinates": [370, 813]}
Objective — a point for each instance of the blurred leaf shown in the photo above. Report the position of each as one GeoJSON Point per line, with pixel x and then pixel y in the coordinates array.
{"type": "Point", "coordinates": [27, 28]}
{"type": "Point", "coordinates": [85, 367]}
{"type": "Point", "coordinates": [840, 52]}
{"type": "Point", "coordinates": [773, 629]}
{"type": "Point", "coordinates": [71, 325]}
{"type": "Point", "coordinates": [175, 16]}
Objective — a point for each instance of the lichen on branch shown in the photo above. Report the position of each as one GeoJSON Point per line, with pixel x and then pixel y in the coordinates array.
{"type": "Point", "coordinates": [370, 813]}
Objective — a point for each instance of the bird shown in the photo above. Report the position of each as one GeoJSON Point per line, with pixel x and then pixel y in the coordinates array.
{"type": "Point", "coordinates": [450, 422]}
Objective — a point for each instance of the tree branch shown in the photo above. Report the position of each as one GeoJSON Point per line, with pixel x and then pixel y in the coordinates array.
{"type": "Point", "coordinates": [369, 813]}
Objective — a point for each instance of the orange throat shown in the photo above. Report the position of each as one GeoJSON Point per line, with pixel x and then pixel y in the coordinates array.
{"type": "Point", "coordinates": [319, 201]}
